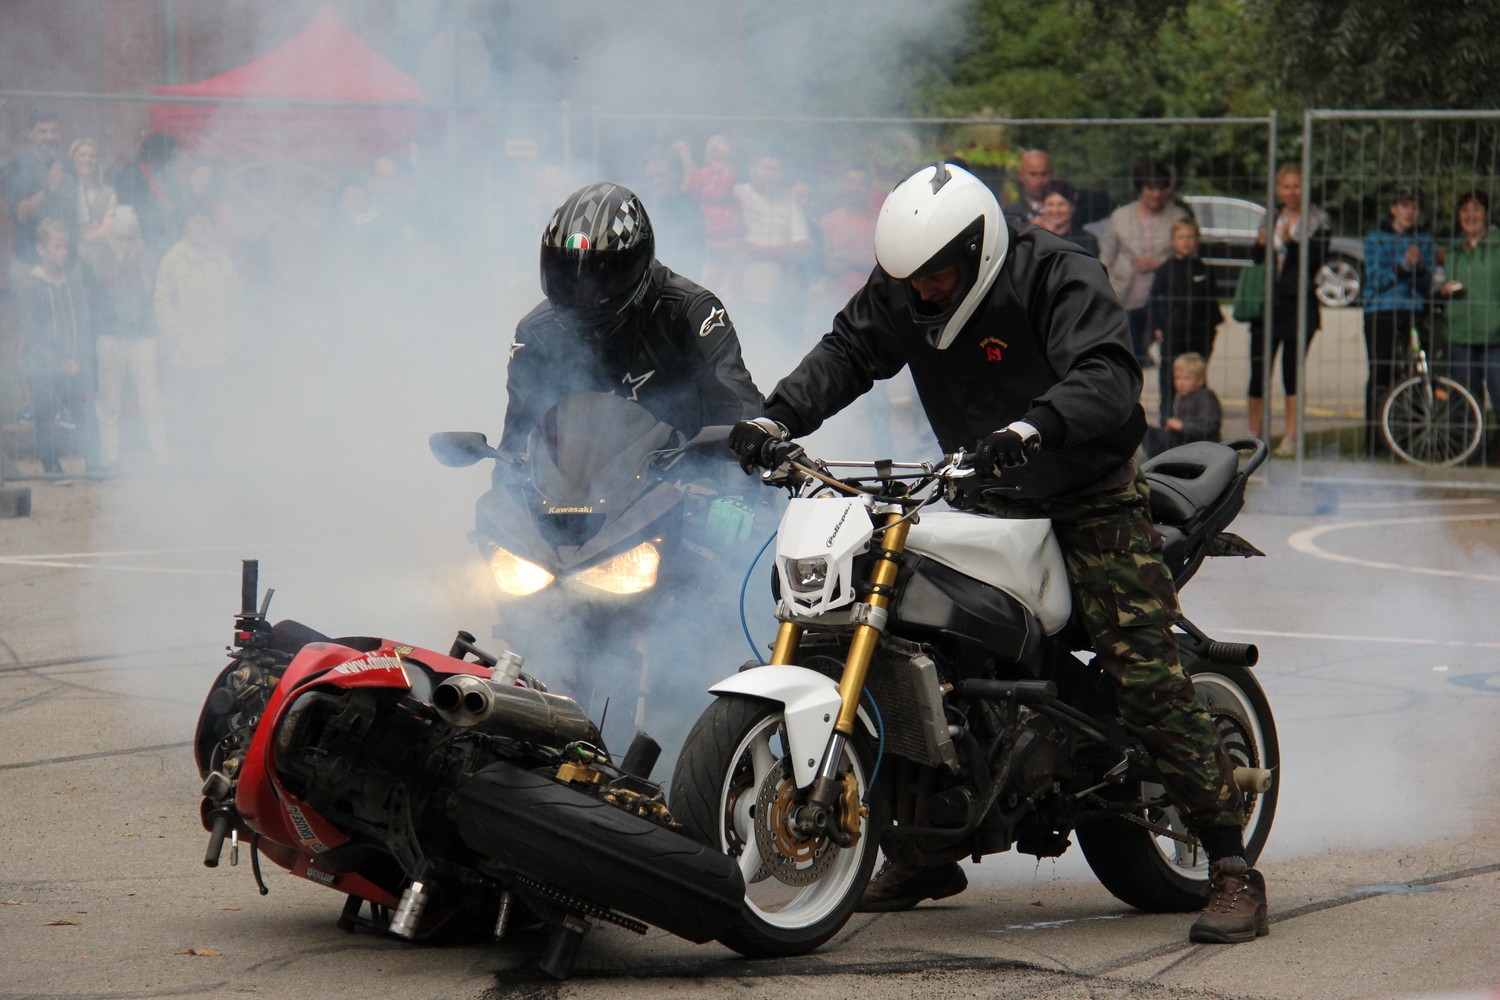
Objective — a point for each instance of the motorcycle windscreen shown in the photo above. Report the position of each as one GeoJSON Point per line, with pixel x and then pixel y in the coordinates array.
{"type": "Point", "coordinates": [594, 461]}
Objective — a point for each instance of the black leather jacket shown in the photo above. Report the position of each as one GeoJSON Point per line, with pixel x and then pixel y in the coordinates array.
{"type": "Point", "coordinates": [679, 357]}
{"type": "Point", "coordinates": [1050, 346]}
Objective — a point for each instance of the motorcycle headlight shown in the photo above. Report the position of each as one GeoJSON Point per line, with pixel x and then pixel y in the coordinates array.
{"type": "Point", "coordinates": [627, 573]}
{"type": "Point", "coordinates": [807, 575]}
{"type": "Point", "coordinates": [516, 576]}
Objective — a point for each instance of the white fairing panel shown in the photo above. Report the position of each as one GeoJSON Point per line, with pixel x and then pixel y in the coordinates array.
{"type": "Point", "coordinates": [1020, 557]}
{"type": "Point", "coordinates": [833, 529]}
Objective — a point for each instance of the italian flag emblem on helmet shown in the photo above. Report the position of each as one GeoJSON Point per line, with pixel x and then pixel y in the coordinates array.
{"type": "Point", "coordinates": [577, 241]}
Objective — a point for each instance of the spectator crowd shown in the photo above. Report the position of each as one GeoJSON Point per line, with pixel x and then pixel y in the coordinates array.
{"type": "Point", "coordinates": [130, 288]}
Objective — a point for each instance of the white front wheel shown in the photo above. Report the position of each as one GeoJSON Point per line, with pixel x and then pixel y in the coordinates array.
{"type": "Point", "coordinates": [733, 790]}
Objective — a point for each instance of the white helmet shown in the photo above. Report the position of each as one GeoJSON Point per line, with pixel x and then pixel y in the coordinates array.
{"type": "Point", "coordinates": [942, 216]}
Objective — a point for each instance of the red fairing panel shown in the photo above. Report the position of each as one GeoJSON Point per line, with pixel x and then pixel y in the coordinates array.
{"type": "Point", "coordinates": [264, 805]}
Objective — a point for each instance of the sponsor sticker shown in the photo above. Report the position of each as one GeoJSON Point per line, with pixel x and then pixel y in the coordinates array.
{"type": "Point", "coordinates": [577, 241]}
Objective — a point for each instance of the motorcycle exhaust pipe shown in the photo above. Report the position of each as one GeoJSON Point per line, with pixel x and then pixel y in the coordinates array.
{"type": "Point", "coordinates": [471, 702]}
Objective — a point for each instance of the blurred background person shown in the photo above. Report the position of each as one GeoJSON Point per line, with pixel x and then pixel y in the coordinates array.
{"type": "Point", "coordinates": [675, 215]}
{"type": "Point", "coordinates": [197, 302]}
{"type": "Point", "coordinates": [1183, 312]}
{"type": "Point", "coordinates": [57, 347]}
{"type": "Point", "coordinates": [712, 187]}
{"type": "Point", "coordinates": [1291, 237]}
{"type": "Point", "coordinates": [1059, 215]}
{"type": "Point", "coordinates": [847, 247]}
{"type": "Point", "coordinates": [30, 180]}
{"type": "Point", "coordinates": [148, 185]}
{"type": "Point", "coordinates": [127, 344]}
{"type": "Point", "coordinates": [1034, 174]}
{"type": "Point", "coordinates": [769, 294]}
{"type": "Point", "coordinates": [1136, 241]}
{"type": "Point", "coordinates": [93, 200]}
{"type": "Point", "coordinates": [1195, 413]}
{"type": "Point", "coordinates": [1472, 313]}
{"type": "Point", "coordinates": [1399, 260]}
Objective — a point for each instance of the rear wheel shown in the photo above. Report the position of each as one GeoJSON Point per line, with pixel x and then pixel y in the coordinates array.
{"type": "Point", "coordinates": [733, 790]}
{"type": "Point", "coordinates": [1432, 421]}
{"type": "Point", "coordinates": [1160, 868]}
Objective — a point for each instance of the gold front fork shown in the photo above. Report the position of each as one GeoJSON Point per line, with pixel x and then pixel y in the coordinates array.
{"type": "Point", "coordinates": [867, 637]}
{"type": "Point", "coordinates": [818, 813]}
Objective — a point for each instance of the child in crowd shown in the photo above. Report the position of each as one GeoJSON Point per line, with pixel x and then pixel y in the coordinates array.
{"type": "Point", "coordinates": [1183, 311]}
{"type": "Point", "coordinates": [1195, 415]}
{"type": "Point", "coordinates": [57, 345]}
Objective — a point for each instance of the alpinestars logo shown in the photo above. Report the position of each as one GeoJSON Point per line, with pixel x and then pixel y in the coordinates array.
{"type": "Point", "coordinates": [993, 348]}
{"type": "Point", "coordinates": [635, 384]}
{"type": "Point", "coordinates": [714, 321]}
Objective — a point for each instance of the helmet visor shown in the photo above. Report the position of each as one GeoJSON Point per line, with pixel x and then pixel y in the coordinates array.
{"type": "Point", "coordinates": [590, 287]}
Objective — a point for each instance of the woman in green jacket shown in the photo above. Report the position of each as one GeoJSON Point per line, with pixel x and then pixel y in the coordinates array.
{"type": "Point", "coordinates": [1473, 294]}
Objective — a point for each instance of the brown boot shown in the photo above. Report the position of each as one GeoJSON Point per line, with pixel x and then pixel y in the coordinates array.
{"type": "Point", "coordinates": [900, 887]}
{"type": "Point", "coordinates": [1236, 909]}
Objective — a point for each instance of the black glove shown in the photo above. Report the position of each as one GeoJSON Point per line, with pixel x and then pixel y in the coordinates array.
{"type": "Point", "coordinates": [1007, 448]}
{"type": "Point", "coordinates": [748, 440]}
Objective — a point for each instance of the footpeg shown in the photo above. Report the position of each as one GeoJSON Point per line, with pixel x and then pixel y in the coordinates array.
{"type": "Point", "coordinates": [1253, 779]}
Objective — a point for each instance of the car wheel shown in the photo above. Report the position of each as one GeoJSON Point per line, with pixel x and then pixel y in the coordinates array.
{"type": "Point", "coordinates": [1337, 282]}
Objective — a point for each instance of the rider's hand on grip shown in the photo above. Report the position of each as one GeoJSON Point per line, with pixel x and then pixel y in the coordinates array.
{"type": "Point", "coordinates": [750, 440]}
{"type": "Point", "coordinates": [1007, 448]}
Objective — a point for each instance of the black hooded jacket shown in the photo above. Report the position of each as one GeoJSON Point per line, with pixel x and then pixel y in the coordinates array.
{"type": "Point", "coordinates": [679, 357]}
{"type": "Point", "coordinates": [1050, 345]}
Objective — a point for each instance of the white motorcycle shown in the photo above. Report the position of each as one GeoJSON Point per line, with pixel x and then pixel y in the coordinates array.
{"type": "Point", "coordinates": [923, 697]}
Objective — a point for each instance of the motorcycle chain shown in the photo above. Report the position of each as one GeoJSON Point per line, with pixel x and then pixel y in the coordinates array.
{"type": "Point", "coordinates": [577, 903]}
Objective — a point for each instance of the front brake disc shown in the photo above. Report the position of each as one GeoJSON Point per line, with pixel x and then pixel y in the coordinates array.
{"type": "Point", "coordinates": [791, 859]}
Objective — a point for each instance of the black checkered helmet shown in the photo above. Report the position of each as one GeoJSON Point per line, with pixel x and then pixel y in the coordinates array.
{"type": "Point", "coordinates": [596, 257]}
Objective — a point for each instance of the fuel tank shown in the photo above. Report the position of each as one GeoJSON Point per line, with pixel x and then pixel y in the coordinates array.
{"type": "Point", "coordinates": [1018, 557]}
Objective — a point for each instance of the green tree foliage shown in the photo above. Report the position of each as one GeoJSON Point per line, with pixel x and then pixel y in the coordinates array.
{"type": "Point", "coordinates": [1099, 59]}
{"type": "Point", "coordinates": [1384, 54]}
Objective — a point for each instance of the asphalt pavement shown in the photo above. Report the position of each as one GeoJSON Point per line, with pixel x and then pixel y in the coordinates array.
{"type": "Point", "coordinates": [1376, 625]}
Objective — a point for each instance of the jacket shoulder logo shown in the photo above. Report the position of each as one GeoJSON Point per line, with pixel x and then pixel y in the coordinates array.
{"type": "Point", "coordinates": [993, 348]}
{"type": "Point", "coordinates": [714, 321]}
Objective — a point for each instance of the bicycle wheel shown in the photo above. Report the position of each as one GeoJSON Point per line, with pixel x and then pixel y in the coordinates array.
{"type": "Point", "coordinates": [1432, 421]}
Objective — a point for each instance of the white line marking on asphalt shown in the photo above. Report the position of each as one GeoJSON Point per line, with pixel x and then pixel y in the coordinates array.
{"type": "Point", "coordinates": [1305, 541]}
{"type": "Point", "coordinates": [1049, 924]}
{"type": "Point", "coordinates": [1387, 504]}
{"type": "Point", "coordinates": [1389, 640]}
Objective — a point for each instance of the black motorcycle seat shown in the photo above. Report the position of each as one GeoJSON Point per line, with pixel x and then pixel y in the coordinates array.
{"type": "Point", "coordinates": [1186, 479]}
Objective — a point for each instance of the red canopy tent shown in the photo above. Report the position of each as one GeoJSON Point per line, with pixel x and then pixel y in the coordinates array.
{"type": "Point", "coordinates": [325, 61]}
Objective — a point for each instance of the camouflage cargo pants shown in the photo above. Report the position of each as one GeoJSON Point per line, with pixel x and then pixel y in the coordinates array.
{"type": "Point", "coordinates": [1125, 595]}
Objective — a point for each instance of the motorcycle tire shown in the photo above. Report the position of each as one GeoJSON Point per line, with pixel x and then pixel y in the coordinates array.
{"type": "Point", "coordinates": [734, 757]}
{"type": "Point", "coordinates": [1159, 874]}
{"type": "Point", "coordinates": [528, 823]}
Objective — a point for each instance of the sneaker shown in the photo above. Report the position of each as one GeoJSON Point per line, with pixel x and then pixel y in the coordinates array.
{"type": "Point", "coordinates": [1236, 909]}
{"type": "Point", "coordinates": [900, 887]}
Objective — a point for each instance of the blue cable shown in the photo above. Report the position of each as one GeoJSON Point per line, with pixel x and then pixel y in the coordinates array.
{"type": "Point", "coordinates": [880, 750]}
{"type": "Point", "coordinates": [755, 650]}
{"type": "Point", "coordinates": [744, 585]}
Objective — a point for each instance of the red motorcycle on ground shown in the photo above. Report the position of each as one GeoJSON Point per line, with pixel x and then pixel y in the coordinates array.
{"type": "Point", "coordinates": [441, 791]}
